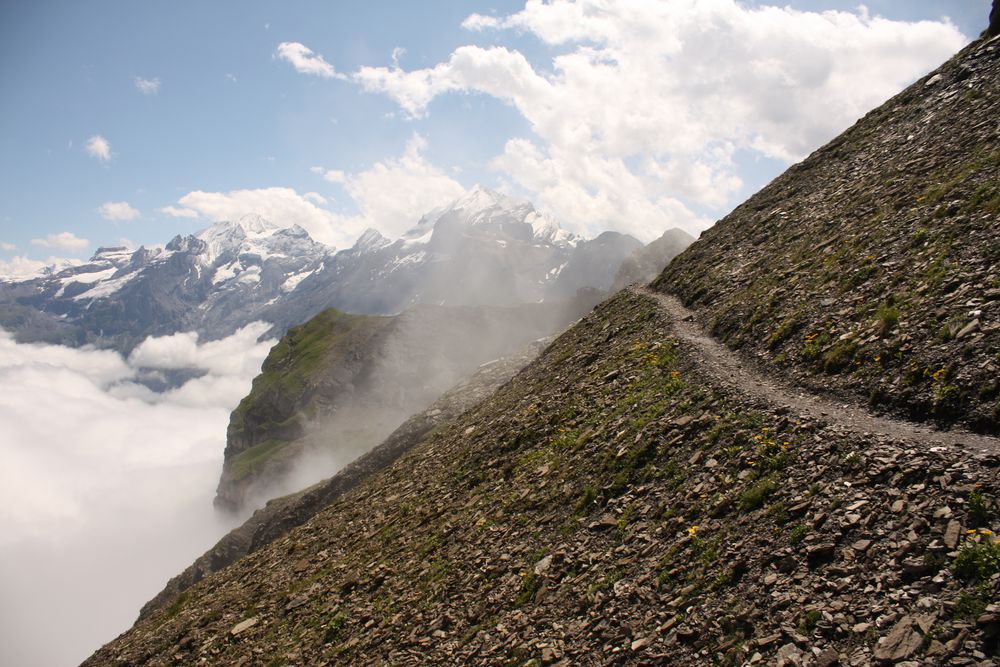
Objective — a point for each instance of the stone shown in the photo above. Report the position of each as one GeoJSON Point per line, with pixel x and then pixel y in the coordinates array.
{"type": "Point", "coordinates": [951, 534]}
{"type": "Point", "coordinates": [901, 643]}
{"type": "Point", "coordinates": [243, 626]}
{"type": "Point", "coordinates": [828, 658]}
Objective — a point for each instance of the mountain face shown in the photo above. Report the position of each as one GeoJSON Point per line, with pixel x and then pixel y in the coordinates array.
{"type": "Point", "coordinates": [483, 249]}
{"type": "Point", "coordinates": [335, 387]}
{"type": "Point", "coordinates": [641, 494]}
{"type": "Point", "coordinates": [214, 282]}
{"type": "Point", "coordinates": [646, 263]}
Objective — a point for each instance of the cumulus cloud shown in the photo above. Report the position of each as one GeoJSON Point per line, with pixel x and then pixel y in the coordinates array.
{"type": "Point", "coordinates": [63, 240]}
{"type": "Point", "coordinates": [20, 267]}
{"type": "Point", "coordinates": [121, 477]}
{"type": "Point", "coordinates": [654, 99]}
{"type": "Point", "coordinates": [117, 210]}
{"type": "Point", "coordinates": [7, 246]}
{"type": "Point", "coordinates": [416, 186]}
{"type": "Point", "coordinates": [178, 212]}
{"type": "Point", "coordinates": [282, 205]}
{"type": "Point", "coordinates": [147, 86]}
{"type": "Point", "coordinates": [99, 147]}
{"type": "Point", "coordinates": [305, 61]}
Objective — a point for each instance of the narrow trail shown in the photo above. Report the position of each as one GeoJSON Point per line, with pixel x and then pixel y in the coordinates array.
{"type": "Point", "coordinates": [730, 370]}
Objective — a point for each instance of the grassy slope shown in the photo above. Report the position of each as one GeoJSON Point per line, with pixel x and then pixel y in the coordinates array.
{"type": "Point", "coordinates": [268, 417]}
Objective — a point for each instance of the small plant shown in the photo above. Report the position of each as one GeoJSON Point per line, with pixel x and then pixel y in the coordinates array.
{"type": "Point", "coordinates": [840, 356]}
{"type": "Point", "coordinates": [809, 621]}
{"type": "Point", "coordinates": [980, 510]}
{"type": "Point", "coordinates": [530, 583]}
{"type": "Point", "coordinates": [977, 561]}
{"type": "Point", "coordinates": [334, 627]}
{"type": "Point", "coordinates": [888, 318]}
{"type": "Point", "coordinates": [754, 496]}
{"type": "Point", "coordinates": [972, 603]}
{"type": "Point", "coordinates": [798, 534]}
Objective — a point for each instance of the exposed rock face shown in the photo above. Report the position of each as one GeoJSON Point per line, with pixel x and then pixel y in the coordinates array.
{"type": "Point", "coordinates": [994, 28]}
{"type": "Point", "coordinates": [283, 514]}
{"type": "Point", "coordinates": [336, 386]}
{"type": "Point", "coordinates": [646, 263]}
{"type": "Point", "coordinates": [871, 268]}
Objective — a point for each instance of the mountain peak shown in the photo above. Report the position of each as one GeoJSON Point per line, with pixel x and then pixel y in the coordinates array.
{"type": "Point", "coordinates": [254, 223]}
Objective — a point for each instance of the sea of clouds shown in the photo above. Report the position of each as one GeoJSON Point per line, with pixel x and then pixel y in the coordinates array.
{"type": "Point", "coordinates": [106, 485]}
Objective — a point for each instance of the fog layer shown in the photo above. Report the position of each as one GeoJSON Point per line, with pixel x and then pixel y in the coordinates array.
{"type": "Point", "coordinates": [106, 485]}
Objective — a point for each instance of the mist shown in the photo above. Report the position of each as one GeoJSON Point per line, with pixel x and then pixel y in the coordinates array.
{"type": "Point", "coordinates": [106, 487]}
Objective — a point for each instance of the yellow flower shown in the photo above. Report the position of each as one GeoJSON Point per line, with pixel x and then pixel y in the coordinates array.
{"type": "Point", "coordinates": [692, 530]}
{"type": "Point", "coordinates": [985, 531]}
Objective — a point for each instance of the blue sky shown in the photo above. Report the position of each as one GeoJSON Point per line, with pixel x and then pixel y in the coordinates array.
{"type": "Point", "coordinates": [194, 97]}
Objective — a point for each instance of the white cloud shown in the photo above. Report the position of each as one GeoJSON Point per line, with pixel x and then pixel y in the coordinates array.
{"type": "Point", "coordinates": [177, 212]}
{"type": "Point", "coordinates": [117, 210]}
{"type": "Point", "coordinates": [282, 205]}
{"type": "Point", "coordinates": [23, 268]}
{"type": "Point", "coordinates": [416, 187]}
{"type": "Point", "coordinates": [99, 147]}
{"type": "Point", "coordinates": [393, 194]}
{"type": "Point", "coordinates": [123, 480]}
{"type": "Point", "coordinates": [305, 61]}
{"type": "Point", "coordinates": [654, 98]}
{"type": "Point", "coordinates": [62, 240]}
{"type": "Point", "coordinates": [147, 86]}
{"type": "Point", "coordinates": [7, 246]}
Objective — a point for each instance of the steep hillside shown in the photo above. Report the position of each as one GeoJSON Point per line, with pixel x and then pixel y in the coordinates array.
{"type": "Point", "coordinates": [336, 386]}
{"type": "Point", "coordinates": [616, 504]}
{"type": "Point", "coordinates": [280, 515]}
{"type": "Point", "coordinates": [873, 267]}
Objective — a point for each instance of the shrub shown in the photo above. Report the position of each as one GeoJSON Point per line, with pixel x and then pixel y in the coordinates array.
{"type": "Point", "coordinates": [754, 496]}
{"type": "Point", "coordinates": [888, 318]}
{"type": "Point", "coordinates": [977, 561]}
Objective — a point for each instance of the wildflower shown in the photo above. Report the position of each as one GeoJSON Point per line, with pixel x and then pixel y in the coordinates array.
{"type": "Point", "coordinates": [878, 358]}
{"type": "Point", "coordinates": [971, 531]}
{"type": "Point", "coordinates": [675, 374]}
{"type": "Point", "coordinates": [692, 530]}
{"type": "Point", "coordinates": [985, 531]}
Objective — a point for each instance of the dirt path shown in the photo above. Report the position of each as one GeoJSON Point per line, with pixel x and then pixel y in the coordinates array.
{"type": "Point", "coordinates": [729, 369]}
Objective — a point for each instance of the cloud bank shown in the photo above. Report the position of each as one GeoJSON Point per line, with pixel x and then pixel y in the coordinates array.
{"type": "Point", "coordinates": [642, 113]}
{"type": "Point", "coordinates": [416, 186]}
{"type": "Point", "coordinates": [106, 487]}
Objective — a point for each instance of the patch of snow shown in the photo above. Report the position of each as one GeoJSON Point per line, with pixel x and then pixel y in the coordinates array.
{"type": "Point", "coordinates": [226, 272]}
{"type": "Point", "coordinates": [91, 277]}
{"type": "Point", "coordinates": [106, 288]}
{"type": "Point", "coordinates": [292, 281]}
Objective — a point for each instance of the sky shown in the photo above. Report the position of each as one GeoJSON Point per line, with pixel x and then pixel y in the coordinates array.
{"type": "Point", "coordinates": [130, 122]}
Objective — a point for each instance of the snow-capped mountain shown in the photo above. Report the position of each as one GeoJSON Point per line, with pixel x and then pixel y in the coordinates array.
{"type": "Point", "coordinates": [482, 249]}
